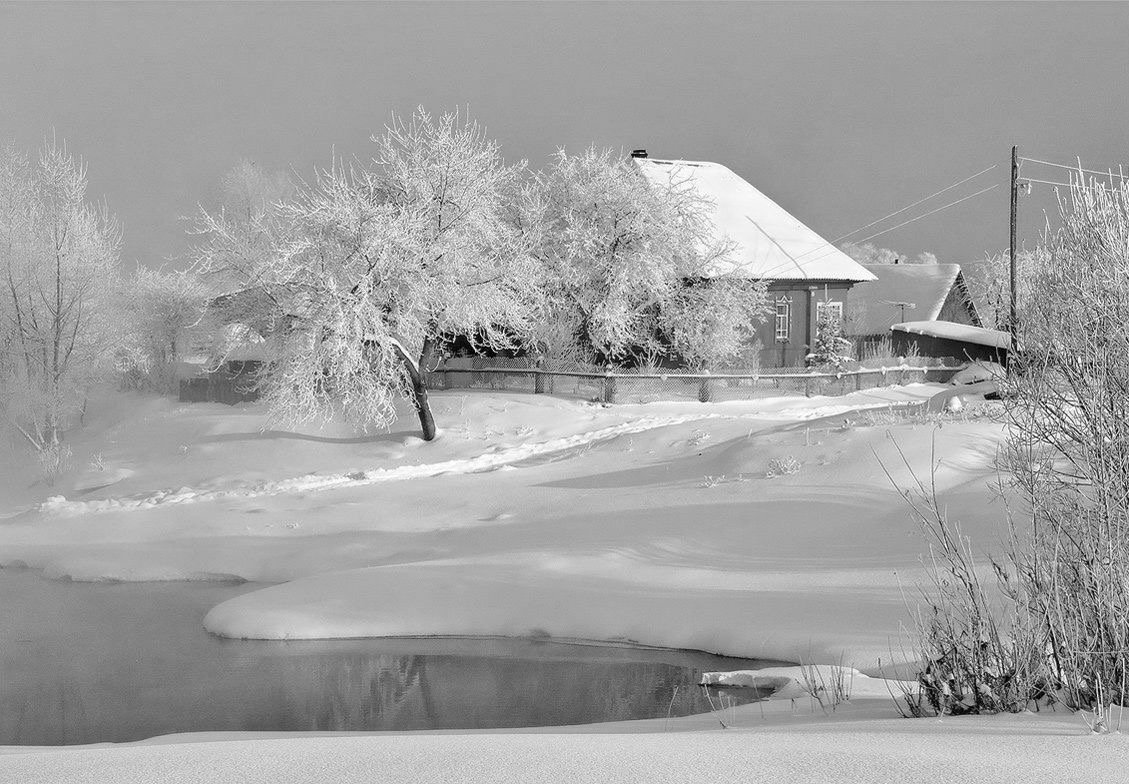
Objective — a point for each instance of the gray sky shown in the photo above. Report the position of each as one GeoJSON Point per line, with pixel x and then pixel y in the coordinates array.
{"type": "Point", "coordinates": [842, 113]}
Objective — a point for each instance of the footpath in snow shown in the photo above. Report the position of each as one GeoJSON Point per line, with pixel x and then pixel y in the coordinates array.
{"type": "Point", "coordinates": [779, 409]}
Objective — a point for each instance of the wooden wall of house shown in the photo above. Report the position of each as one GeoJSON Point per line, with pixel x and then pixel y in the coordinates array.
{"type": "Point", "coordinates": [801, 328]}
{"type": "Point", "coordinates": [957, 309]}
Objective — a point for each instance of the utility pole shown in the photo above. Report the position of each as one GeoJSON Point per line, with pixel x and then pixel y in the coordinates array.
{"type": "Point", "coordinates": [1013, 319]}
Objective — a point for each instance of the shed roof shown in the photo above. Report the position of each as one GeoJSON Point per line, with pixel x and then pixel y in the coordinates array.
{"type": "Point", "coordinates": [771, 244]}
{"type": "Point", "coordinates": [926, 286]}
{"type": "Point", "coordinates": [966, 333]}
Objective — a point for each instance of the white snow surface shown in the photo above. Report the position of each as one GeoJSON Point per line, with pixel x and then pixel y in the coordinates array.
{"type": "Point", "coordinates": [533, 516]}
{"type": "Point", "coordinates": [495, 458]}
{"type": "Point", "coordinates": [802, 682]}
{"type": "Point", "coordinates": [806, 749]}
{"type": "Point", "coordinates": [978, 372]}
{"type": "Point", "coordinates": [655, 523]}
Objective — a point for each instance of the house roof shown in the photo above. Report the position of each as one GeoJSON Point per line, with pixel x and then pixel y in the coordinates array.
{"type": "Point", "coordinates": [770, 243]}
{"type": "Point", "coordinates": [949, 330]}
{"type": "Point", "coordinates": [926, 286]}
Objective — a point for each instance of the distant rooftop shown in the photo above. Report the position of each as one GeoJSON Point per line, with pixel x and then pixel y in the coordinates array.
{"type": "Point", "coordinates": [926, 286]}
{"type": "Point", "coordinates": [771, 243]}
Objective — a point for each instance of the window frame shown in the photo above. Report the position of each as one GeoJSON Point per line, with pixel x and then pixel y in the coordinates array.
{"type": "Point", "coordinates": [783, 319]}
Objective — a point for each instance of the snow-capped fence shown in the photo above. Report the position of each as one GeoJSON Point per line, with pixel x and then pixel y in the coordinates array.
{"type": "Point", "coordinates": [645, 386]}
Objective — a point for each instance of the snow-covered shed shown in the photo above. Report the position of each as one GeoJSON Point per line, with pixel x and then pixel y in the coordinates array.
{"type": "Point", "coordinates": [807, 272]}
{"type": "Point", "coordinates": [925, 292]}
{"type": "Point", "coordinates": [948, 339]}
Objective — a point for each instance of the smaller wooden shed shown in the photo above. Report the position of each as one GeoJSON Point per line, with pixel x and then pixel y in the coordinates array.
{"type": "Point", "coordinates": [949, 339]}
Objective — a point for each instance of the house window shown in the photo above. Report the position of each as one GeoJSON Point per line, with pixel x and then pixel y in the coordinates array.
{"type": "Point", "coordinates": [833, 310]}
{"type": "Point", "coordinates": [783, 319]}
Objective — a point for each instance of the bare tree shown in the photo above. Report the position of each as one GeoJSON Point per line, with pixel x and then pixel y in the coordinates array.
{"type": "Point", "coordinates": [372, 263]}
{"type": "Point", "coordinates": [59, 264]}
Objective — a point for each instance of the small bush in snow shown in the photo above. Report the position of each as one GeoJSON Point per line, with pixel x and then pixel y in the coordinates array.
{"type": "Point", "coordinates": [782, 466]}
{"type": "Point", "coordinates": [698, 437]}
{"type": "Point", "coordinates": [829, 686]}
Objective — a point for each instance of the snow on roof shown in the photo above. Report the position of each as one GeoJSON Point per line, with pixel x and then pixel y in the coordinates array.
{"type": "Point", "coordinates": [926, 286]}
{"type": "Point", "coordinates": [952, 331]}
{"type": "Point", "coordinates": [771, 243]}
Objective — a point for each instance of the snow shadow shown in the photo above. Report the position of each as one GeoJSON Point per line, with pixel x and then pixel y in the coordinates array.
{"type": "Point", "coordinates": [259, 435]}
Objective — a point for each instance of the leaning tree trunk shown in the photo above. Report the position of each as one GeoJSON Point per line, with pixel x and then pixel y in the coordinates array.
{"type": "Point", "coordinates": [419, 393]}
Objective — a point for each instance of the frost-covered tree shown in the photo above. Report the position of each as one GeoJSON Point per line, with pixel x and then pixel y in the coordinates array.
{"type": "Point", "coordinates": [869, 253]}
{"type": "Point", "coordinates": [159, 306]}
{"type": "Point", "coordinates": [711, 322]}
{"type": "Point", "coordinates": [59, 259]}
{"type": "Point", "coordinates": [627, 263]}
{"type": "Point", "coordinates": [829, 348]}
{"type": "Point", "coordinates": [1067, 441]}
{"type": "Point", "coordinates": [989, 285]}
{"type": "Point", "coordinates": [238, 238]}
{"type": "Point", "coordinates": [373, 263]}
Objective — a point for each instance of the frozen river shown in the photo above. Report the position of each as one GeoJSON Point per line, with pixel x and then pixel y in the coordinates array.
{"type": "Point", "coordinates": [93, 662]}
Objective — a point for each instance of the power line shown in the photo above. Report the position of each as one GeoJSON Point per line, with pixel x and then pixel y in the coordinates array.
{"type": "Point", "coordinates": [1077, 168]}
{"type": "Point", "coordinates": [892, 214]}
{"type": "Point", "coordinates": [831, 244]}
{"type": "Point", "coordinates": [1046, 182]}
{"type": "Point", "coordinates": [768, 273]}
{"type": "Point", "coordinates": [927, 214]}
{"type": "Point", "coordinates": [903, 209]}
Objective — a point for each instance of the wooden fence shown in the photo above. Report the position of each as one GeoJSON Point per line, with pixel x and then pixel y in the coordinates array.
{"type": "Point", "coordinates": [611, 387]}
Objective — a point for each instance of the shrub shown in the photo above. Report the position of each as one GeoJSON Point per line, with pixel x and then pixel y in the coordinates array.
{"type": "Point", "coordinates": [782, 466]}
{"type": "Point", "coordinates": [1050, 619]}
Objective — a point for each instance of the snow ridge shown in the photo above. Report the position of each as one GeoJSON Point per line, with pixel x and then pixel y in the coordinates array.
{"type": "Point", "coordinates": [488, 461]}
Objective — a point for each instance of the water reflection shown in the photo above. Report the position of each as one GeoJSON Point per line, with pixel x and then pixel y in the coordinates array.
{"type": "Point", "coordinates": [84, 663]}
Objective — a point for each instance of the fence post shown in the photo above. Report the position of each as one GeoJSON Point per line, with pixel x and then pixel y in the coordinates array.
{"type": "Point", "coordinates": [609, 387]}
{"type": "Point", "coordinates": [538, 381]}
{"type": "Point", "coordinates": [858, 380]}
{"type": "Point", "coordinates": [704, 391]}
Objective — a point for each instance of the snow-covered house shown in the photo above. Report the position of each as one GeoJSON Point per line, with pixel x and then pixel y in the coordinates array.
{"type": "Point", "coordinates": [225, 347]}
{"type": "Point", "coordinates": [806, 272]}
{"type": "Point", "coordinates": [908, 292]}
{"type": "Point", "coordinates": [233, 326]}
